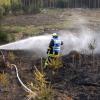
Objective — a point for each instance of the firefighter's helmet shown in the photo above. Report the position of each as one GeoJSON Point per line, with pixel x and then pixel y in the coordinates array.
{"type": "Point", "coordinates": [55, 35]}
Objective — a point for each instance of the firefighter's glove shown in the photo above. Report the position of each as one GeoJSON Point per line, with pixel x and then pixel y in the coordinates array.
{"type": "Point", "coordinates": [48, 50]}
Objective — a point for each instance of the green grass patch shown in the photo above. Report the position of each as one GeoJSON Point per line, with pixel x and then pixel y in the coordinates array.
{"type": "Point", "coordinates": [32, 30]}
{"type": "Point", "coordinates": [24, 29]}
{"type": "Point", "coordinates": [61, 25]}
{"type": "Point", "coordinates": [3, 36]}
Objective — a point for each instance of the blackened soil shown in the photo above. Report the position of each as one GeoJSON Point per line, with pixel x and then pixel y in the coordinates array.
{"type": "Point", "coordinates": [77, 79]}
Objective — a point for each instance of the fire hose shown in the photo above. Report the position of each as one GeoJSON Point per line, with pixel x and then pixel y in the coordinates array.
{"type": "Point", "coordinates": [24, 86]}
{"type": "Point", "coordinates": [17, 74]}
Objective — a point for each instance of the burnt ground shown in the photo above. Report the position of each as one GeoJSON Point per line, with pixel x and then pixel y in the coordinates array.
{"type": "Point", "coordinates": [77, 79]}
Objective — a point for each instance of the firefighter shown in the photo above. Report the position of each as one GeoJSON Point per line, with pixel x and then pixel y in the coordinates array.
{"type": "Point", "coordinates": [54, 47]}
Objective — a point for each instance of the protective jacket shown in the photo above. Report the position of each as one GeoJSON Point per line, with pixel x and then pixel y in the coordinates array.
{"type": "Point", "coordinates": [55, 46]}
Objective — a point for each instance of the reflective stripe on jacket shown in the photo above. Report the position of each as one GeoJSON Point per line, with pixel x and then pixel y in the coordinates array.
{"type": "Point", "coordinates": [57, 45]}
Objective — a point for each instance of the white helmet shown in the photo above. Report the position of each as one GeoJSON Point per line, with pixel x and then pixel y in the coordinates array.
{"type": "Point", "coordinates": [54, 34]}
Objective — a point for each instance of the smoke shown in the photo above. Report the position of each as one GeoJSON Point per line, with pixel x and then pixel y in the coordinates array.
{"type": "Point", "coordinates": [77, 41]}
{"type": "Point", "coordinates": [72, 40]}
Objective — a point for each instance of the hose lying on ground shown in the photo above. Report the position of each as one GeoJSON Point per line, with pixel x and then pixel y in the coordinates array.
{"type": "Point", "coordinates": [34, 94]}
{"type": "Point", "coordinates": [24, 86]}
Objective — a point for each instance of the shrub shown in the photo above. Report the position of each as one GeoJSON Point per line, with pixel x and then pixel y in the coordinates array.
{"type": "Point", "coordinates": [45, 92]}
{"type": "Point", "coordinates": [61, 3]}
{"type": "Point", "coordinates": [4, 81]}
{"type": "Point", "coordinates": [3, 36]}
{"type": "Point", "coordinates": [92, 46]}
{"type": "Point", "coordinates": [30, 9]}
{"type": "Point", "coordinates": [2, 11]}
{"type": "Point", "coordinates": [7, 9]}
{"type": "Point", "coordinates": [15, 7]}
{"type": "Point", "coordinates": [11, 56]}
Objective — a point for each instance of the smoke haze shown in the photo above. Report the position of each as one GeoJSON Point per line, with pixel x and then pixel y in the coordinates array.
{"type": "Point", "coordinates": [72, 41]}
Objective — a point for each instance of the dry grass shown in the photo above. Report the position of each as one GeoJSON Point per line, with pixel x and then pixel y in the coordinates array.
{"type": "Point", "coordinates": [54, 62]}
{"type": "Point", "coordinates": [44, 91]}
{"type": "Point", "coordinates": [11, 56]}
{"type": "Point", "coordinates": [4, 79]}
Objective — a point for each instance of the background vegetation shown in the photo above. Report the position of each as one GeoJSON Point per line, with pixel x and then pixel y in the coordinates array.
{"type": "Point", "coordinates": [3, 35]}
{"type": "Point", "coordinates": [19, 7]}
{"type": "Point", "coordinates": [34, 6]}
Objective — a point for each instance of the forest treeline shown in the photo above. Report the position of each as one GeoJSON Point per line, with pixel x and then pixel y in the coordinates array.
{"type": "Point", "coordinates": [33, 6]}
